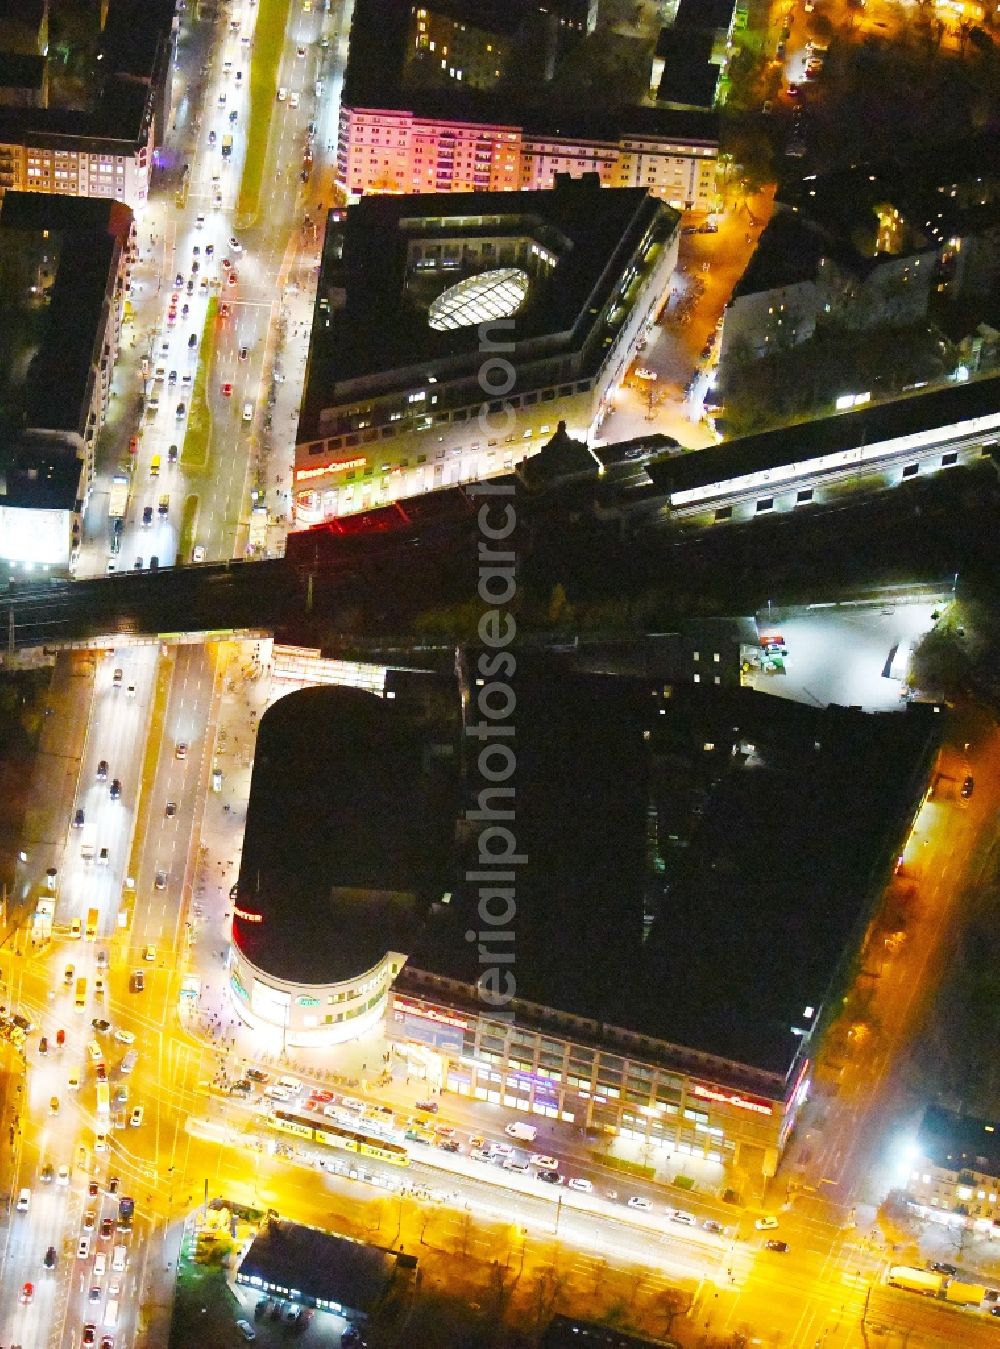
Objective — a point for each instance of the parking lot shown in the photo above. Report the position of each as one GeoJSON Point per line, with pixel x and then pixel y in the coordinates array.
{"type": "Point", "coordinates": [854, 654]}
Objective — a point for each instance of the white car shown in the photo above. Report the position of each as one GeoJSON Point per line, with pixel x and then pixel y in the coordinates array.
{"type": "Point", "coordinates": [584, 1186]}
{"type": "Point", "coordinates": [136, 1117]}
{"type": "Point", "coordinates": [282, 93]}
{"type": "Point", "coordinates": [62, 1175]}
{"type": "Point", "coordinates": [766, 1224]}
{"type": "Point", "coordinates": [124, 1037]}
{"type": "Point", "coordinates": [199, 553]}
{"type": "Point", "coordinates": [100, 1142]}
{"type": "Point", "coordinates": [293, 100]}
{"type": "Point", "coordinates": [546, 1163]}
{"type": "Point", "coordinates": [500, 1150]}
{"type": "Point", "coordinates": [149, 952]}
{"type": "Point", "coordinates": [73, 1082]}
{"type": "Point", "coordinates": [83, 1250]}
{"type": "Point", "coordinates": [637, 1201]}
{"type": "Point", "coordinates": [679, 1215]}
{"type": "Point", "coordinates": [248, 412]}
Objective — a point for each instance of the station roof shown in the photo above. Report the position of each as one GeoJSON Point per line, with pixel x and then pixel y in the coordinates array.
{"type": "Point", "coordinates": [319, 1266]}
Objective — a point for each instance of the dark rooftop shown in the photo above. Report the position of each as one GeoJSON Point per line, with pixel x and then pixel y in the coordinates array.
{"type": "Point", "coordinates": [841, 431]}
{"type": "Point", "coordinates": [382, 325]}
{"type": "Point", "coordinates": [960, 1142]}
{"type": "Point", "coordinates": [318, 1265]}
{"type": "Point", "coordinates": [373, 79]}
{"type": "Point", "coordinates": [40, 478]}
{"type": "Point", "coordinates": [705, 14]}
{"type": "Point", "coordinates": [787, 253]}
{"type": "Point", "coordinates": [688, 78]}
{"type": "Point", "coordinates": [347, 834]}
{"type": "Point", "coordinates": [756, 910]}
{"type": "Point", "coordinates": [84, 236]}
{"type": "Point", "coordinates": [566, 1332]}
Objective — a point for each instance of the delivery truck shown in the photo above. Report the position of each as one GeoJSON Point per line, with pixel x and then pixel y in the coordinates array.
{"type": "Point", "coordinates": [916, 1280]}
{"type": "Point", "coordinates": [88, 842]}
{"type": "Point", "coordinates": [965, 1294]}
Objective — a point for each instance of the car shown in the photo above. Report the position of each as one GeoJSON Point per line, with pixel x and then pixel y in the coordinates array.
{"type": "Point", "coordinates": [136, 982]}
{"type": "Point", "coordinates": [644, 372]}
{"type": "Point", "coordinates": [135, 1119]}
{"type": "Point", "coordinates": [638, 1201]}
{"type": "Point", "coordinates": [767, 1224]}
{"type": "Point", "coordinates": [73, 1082]}
{"type": "Point", "coordinates": [95, 1294]}
{"type": "Point", "coordinates": [115, 790]}
{"type": "Point", "coordinates": [170, 809]}
{"type": "Point", "coordinates": [546, 1163]}
{"type": "Point", "coordinates": [430, 1106]}
{"type": "Point", "coordinates": [481, 1155]}
{"type": "Point", "coordinates": [198, 553]}
{"type": "Point", "coordinates": [282, 93]}
{"type": "Point", "coordinates": [172, 454]}
{"type": "Point", "coordinates": [43, 1045]}
{"type": "Point", "coordinates": [300, 51]}
{"type": "Point", "coordinates": [780, 1246]}
{"type": "Point", "coordinates": [149, 951]}
{"type": "Point", "coordinates": [54, 1105]}
{"type": "Point", "coordinates": [178, 281]}
{"type": "Point", "coordinates": [243, 353]}
{"type": "Point", "coordinates": [293, 99]}
{"type": "Point", "coordinates": [124, 1037]}
{"type": "Point", "coordinates": [248, 412]}
{"type": "Point", "coordinates": [550, 1177]}
{"type": "Point", "coordinates": [477, 1141]}
{"type": "Point", "coordinates": [234, 117]}
{"type": "Point", "coordinates": [944, 1267]}
{"type": "Point", "coordinates": [104, 857]}
{"type": "Point", "coordinates": [710, 1225]}
{"type": "Point", "coordinates": [232, 278]}
{"type": "Point", "coordinates": [679, 1215]}
{"type": "Point", "coordinates": [101, 1025]}
{"type": "Point", "coordinates": [172, 377]}
{"type": "Point", "coordinates": [968, 787]}
{"type": "Point", "coordinates": [83, 1248]}
{"type": "Point", "coordinates": [89, 1333]}
{"type": "Point", "coordinates": [255, 1075]}
{"type": "Point", "coordinates": [181, 410]}
{"type": "Point", "coordinates": [246, 1330]}
{"type": "Point", "coordinates": [581, 1185]}
{"type": "Point", "coordinates": [160, 880]}
{"type": "Point", "coordinates": [225, 311]}
{"type": "Point", "coordinates": [47, 1174]}
{"type": "Point", "coordinates": [137, 564]}
{"type": "Point", "coordinates": [27, 1293]}
{"type": "Point", "coordinates": [60, 1038]}
{"type": "Point", "coordinates": [227, 390]}
{"type": "Point", "coordinates": [111, 567]}
{"type": "Point", "coordinates": [78, 819]}
{"type": "Point", "coordinates": [794, 91]}
{"type": "Point", "coordinates": [500, 1150]}
{"type": "Point", "coordinates": [93, 1189]}
{"type": "Point", "coordinates": [102, 1072]}
{"type": "Point", "coordinates": [89, 1220]}
{"type": "Point", "coordinates": [62, 1175]}
{"type": "Point", "coordinates": [181, 749]}
{"type": "Point", "coordinates": [107, 1228]}
{"type": "Point", "coordinates": [50, 1258]}
{"type": "Point", "coordinates": [520, 1168]}
{"type": "Point", "coordinates": [100, 1142]}
{"type": "Point", "coordinates": [130, 691]}
{"type": "Point", "coordinates": [449, 1145]}
{"type": "Point", "coordinates": [102, 771]}
{"type": "Point", "coordinates": [192, 341]}
{"type": "Point", "coordinates": [235, 244]}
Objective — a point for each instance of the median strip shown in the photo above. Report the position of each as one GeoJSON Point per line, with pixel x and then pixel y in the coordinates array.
{"type": "Point", "coordinates": [198, 434]}
{"type": "Point", "coordinates": [269, 38]}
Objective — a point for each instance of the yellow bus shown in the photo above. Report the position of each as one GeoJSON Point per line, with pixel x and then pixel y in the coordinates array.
{"type": "Point", "coordinates": [81, 994]}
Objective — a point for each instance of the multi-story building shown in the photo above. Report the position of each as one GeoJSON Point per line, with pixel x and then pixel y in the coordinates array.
{"type": "Point", "coordinates": [395, 376]}
{"type": "Point", "coordinates": [64, 269]}
{"type": "Point", "coordinates": [603, 942]}
{"type": "Point", "coordinates": [399, 138]}
{"type": "Point", "coordinates": [104, 149]}
{"type": "Point", "coordinates": [954, 1174]}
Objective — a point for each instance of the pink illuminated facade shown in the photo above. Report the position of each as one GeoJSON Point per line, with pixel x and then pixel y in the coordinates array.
{"type": "Point", "coordinates": [400, 151]}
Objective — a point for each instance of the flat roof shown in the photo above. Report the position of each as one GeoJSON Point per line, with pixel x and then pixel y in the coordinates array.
{"type": "Point", "coordinates": [348, 835]}
{"type": "Point", "coordinates": [775, 822]}
{"type": "Point", "coordinates": [960, 1142]}
{"type": "Point", "coordinates": [374, 79]}
{"type": "Point", "coordinates": [319, 1266]}
{"type": "Point", "coordinates": [842, 431]}
{"type": "Point", "coordinates": [37, 477]}
{"type": "Point", "coordinates": [73, 243]}
{"type": "Point", "coordinates": [711, 14]}
{"type": "Point", "coordinates": [776, 854]}
{"type": "Point", "coordinates": [381, 327]}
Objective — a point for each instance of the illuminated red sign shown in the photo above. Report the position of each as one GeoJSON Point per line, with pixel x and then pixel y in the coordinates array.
{"type": "Point", "coordinates": [751, 1103]}
{"type": "Point", "coordinates": [428, 1013]}
{"type": "Point", "coordinates": [247, 916]}
{"type": "Point", "coordinates": [334, 466]}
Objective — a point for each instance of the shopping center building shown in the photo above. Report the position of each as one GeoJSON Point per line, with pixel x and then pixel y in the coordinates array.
{"type": "Point", "coordinates": [466, 327]}
{"type": "Point", "coordinates": [690, 872]}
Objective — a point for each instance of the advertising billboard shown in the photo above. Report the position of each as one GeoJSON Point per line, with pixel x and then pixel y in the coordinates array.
{"type": "Point", "coordinates": [34, 537]}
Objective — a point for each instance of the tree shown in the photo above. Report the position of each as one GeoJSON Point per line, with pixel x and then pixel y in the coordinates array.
{"type": "Point", "coordinates": [670, 1304]}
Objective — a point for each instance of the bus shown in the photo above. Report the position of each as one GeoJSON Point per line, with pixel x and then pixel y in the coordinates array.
{"type": "Point", "coordinates": [338, 1136]}
{"type": "Point", "coordinates": [103, 1100]}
